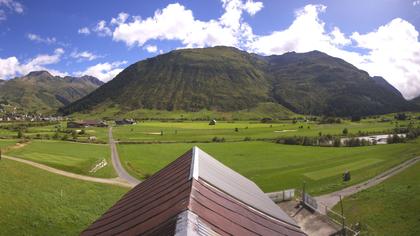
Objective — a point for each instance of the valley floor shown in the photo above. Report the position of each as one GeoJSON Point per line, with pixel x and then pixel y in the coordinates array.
{"type": "Point", "coordinates": [272, 166]}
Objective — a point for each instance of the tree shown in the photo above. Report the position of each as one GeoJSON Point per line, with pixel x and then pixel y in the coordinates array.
{"type": "Point", "coordinates": [19, 134]}
{"type": "Point", "coordinates": [401, 116]}
{"type": "Point", "coordinates": [65, 137]}
{"type": "Point", "coordinates": [337, 142]}
{"type": "Point", "coordinates": [74, 134]}
{"type": "Point", "coordinates": [345, 131]}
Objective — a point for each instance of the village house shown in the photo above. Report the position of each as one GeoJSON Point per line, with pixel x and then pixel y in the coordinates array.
{"type": "Point", "coordinates": [86, 123]}
{"type": "Point", "coordinates": [125, 122]}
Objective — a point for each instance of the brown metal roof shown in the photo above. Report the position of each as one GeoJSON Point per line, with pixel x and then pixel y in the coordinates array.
{"type": "Point", "coordinates": [188, 198]}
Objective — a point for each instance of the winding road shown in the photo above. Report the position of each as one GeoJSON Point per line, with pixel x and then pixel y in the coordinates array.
{"type": "Point", "coordinates": [124, 179]}
{"type": "Point", "coordinates": [115, 181]}
{"type": "Point", "coordinates": [331, 199]}
{"type": "Point", "coordinates": [122, 173]}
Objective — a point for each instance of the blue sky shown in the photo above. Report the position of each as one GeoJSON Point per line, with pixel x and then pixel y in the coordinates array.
{"type": "Point", "coordinates": [100, 38]}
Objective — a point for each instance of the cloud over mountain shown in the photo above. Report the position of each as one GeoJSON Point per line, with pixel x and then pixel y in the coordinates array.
{"type": "Point", "coordinates": [391, 50]}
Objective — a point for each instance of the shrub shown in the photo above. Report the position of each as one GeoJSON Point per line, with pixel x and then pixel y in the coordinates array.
{"type": "Point", "coordinates": [20, 134]}
{"type": "Point", "coordinates": [401, 116]}
{"type": "Point", "coordinates": [218, 140]}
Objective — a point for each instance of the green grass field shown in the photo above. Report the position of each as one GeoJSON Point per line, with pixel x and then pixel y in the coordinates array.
{"type": "Point", "coordinates": [4, 143]}
{"type": "Point", "coordinates": [36, 202]}
{"type": "Point", "coordinates": [150, 131]}
{"type": "Point", "coordinates": [79, 158]}
{"type": "Point", "coordinates": [390, 208]}
{"type": "Point", "coordinates": [274, 166]}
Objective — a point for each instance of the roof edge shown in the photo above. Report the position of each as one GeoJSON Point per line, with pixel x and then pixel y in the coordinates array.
{"type": "Point", "coordinates": [194, 171]}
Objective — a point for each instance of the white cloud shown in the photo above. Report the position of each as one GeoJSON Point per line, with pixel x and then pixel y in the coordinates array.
{"type": "Point", "coordinates": [253, 7]}
{"type": "Point", "coordinates": [394, 53]}
{"type": "Point", "coordinates": [11, 6]}
{"type": "Point", "coordinates": [39, 39]}
{"type": "Point", "coordinates": [151, 48]}
{"type": "Point", "coordinates": [103, 71]}
{"type": "Point", "coordinates": [84, 30]}
{"type": "Point", "coordinates": [12, 67]}
{"type": "Point", "coordinates": [84, 55]}
{"type": "Point", "coordinates": [175, 22]}
{"type": "Point", "coordinates": [122, 17]}
{"type": "Point", "coordinates": [102, 29]}
{"type": "Point", "coordinates": [304, 34]}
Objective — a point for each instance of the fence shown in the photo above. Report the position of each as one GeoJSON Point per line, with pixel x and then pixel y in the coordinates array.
{"type": "Point", "coordinates": [281, 196]}
{"type": "Point", "coordinates": [337, 218]}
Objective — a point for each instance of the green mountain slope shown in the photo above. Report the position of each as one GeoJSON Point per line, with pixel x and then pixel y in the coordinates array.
{"type": "Point", "coordinates": [39, 91]}
{"type": "Point", "coordinates": [416, 101]}
{"type": "Point", "coordinates": [316, 83]}
{"type": "Point", "coordinates": [227, 79]}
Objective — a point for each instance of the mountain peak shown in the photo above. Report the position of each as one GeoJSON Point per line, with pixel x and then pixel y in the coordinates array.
{"type": "Point", "coordinates": [39, 73]}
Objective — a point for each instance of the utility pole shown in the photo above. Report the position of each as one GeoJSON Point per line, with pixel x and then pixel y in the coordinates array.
{"type": "Point", "coordinates": [303, 192]}
{"type": "Point", "coordinates": [342, 217]}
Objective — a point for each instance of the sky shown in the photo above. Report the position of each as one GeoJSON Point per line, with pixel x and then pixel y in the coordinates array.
{"type": "Point", "coordinates": [101, 38]}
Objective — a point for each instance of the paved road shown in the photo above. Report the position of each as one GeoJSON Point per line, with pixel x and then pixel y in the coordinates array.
{"type": "Point", "coordinates": [332, 199]}
{"type": "Point", "coordinates": [122, 173]}
{"type": "Point", "coordinates": [114, 181]}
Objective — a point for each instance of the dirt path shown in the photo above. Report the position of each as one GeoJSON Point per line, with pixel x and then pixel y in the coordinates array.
{"type": "Point", "coordinates": [331, 199]}
{"type": "Point", "coordinates": [114, 181]}
{"type": "Point", "coordinates": [122, 173]}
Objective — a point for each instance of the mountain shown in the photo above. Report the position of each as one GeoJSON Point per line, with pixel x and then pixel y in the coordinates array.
{"type": "Point", "coordinates": [227, 79]}
{"type": "Point", "coordinates": [382, 82]}
{"type": "Point", "coordinates": [416, 101]}
{"type": "Point", "coordinates": [316, 83]}
{"type": "Point", "coordinates": [39, 91]}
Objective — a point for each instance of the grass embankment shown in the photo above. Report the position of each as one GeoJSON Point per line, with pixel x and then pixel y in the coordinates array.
{"type": "Point", "coordinates": [36, 202]}
{"type": "Point", "coordinates": [267, 109]}
{"type": "Point", "coordinates": [274, 166]}
{"type": "Point", "coordinates": [78, 158]}
{"type": "Point", "coordinates": [390, 208]}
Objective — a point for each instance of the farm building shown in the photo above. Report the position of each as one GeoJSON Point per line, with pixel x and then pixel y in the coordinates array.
{"type": "Point", "coordinates": [125, 122]}
{"type": "Point", "coordinates": [195, 195]}
{"type": "Point", "coordinates": [86, 123]}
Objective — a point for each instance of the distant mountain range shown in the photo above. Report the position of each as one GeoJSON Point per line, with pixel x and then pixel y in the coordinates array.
{"type": "Point", "coordinates": [227, 79]}
{"type": "Point", "coordinates": [39, 91]}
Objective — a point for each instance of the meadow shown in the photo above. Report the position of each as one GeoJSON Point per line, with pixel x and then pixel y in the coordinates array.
{"type": "Point", "coordinates": [390, 208]}
{"type": "Point", "coordinates": [187, 131]}
{"type": "Point", "coordinates": [5, 143]}
{"type": "Point", "coordinates": [275, 166]}
{"type": "Point", "coordinates": [48, 131]}
{"type": "Point", "coordinates": [36, 202]}
{"type": "Point", "coordinates": [78, 158]}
